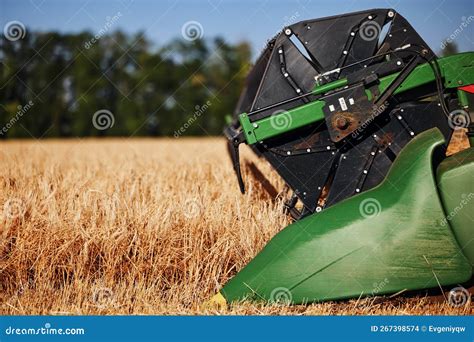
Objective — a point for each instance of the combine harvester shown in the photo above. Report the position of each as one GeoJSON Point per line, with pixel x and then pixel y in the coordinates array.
{"type": "Point", "coordinates": [354, 112]}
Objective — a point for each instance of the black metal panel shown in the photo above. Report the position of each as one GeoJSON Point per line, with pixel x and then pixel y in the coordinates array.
{"type": "Point", "coordinates": [275, 86]}
{"type": "Point", "coordinates": [305, 173]}
{"type": "Point", "coordinates": [283, 72]}
{"type": "Point", "coordinates": [253, 81]}
{"type": "Point", "coordinates": [402, 33]}
{"type": "Point", "coordinates": [326, 38]}
{"type": "Point", "coordinates": [350, 168]}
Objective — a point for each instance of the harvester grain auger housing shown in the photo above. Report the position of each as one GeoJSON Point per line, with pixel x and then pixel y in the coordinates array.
{"type": "Point", "coordinates": [354, 112]}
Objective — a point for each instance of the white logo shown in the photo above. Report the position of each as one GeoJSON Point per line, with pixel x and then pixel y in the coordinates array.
{"type": "Point", "coordinates": [281, 119]}
{"type": "Point", "coordinates": [459, 119]}
{"type": "Point", "coordinates": [13, 208]}
{"type": "Point", "coordinates": [369, 30]}
{"type": "Point", "coordinates": [14, 30]}
{"type": "Point", "coordinates": [281, 295]}
{"type": "Point", "coordinates": [103, 119]}
{"type": "Point", "coordinates": [458, 297]}
{"type": "Point", "coordinates": [370, 207]}
{"type": "Point", "coordinates": [192, 30]}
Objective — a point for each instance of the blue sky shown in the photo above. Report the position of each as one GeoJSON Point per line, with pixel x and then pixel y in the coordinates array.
{"type": "Point", "coordinates": [254, 21]}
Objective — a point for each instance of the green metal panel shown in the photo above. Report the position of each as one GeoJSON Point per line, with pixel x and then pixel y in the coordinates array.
{"type": "Point", "coordinates": [457, 70]}
{"type": "Point", "coordinates": [330, 86]}
{"type": "Point", "coordinates": [384, 240]}
{"type": "Point", "coordinates": [456, 184]}
{"type": "Point", "coordinates": [281, 121]}
{"type": "Point", "coordinates": [463, 99]}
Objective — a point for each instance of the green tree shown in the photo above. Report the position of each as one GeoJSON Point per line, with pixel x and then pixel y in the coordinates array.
{"type": "Point", "coordinates": [150, 91]}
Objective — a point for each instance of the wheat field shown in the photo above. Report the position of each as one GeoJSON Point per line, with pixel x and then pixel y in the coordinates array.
{"type": "Point", "coordinates": [142, 226]}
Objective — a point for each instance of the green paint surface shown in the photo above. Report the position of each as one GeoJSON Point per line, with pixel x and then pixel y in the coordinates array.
{"type": "Point", "coordinates": [456, 70]}
{"type": "Point", "coordinates": [388, 239]}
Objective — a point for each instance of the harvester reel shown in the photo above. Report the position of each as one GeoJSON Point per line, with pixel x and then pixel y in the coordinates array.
{"type": "Point", "coordinates": [352, 149]}
{"type": "Point", "coordinates": [352, 109]}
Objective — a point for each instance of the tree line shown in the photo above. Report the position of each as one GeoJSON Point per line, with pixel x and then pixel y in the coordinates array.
{"type": "Point", "coordinates": [59, 84]}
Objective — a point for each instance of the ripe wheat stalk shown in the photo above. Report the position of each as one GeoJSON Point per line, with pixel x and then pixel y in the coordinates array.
{"type": "Point", "coordinates": [141, 226]}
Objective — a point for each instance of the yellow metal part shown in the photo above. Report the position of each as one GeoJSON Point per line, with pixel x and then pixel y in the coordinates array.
{"type": "Point", "coordinates": [216, 302]}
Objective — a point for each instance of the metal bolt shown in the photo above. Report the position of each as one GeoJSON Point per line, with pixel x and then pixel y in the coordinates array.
{"type": "Point", "coordinates": [285, 74]}
{"type": "Point", "coordinates": [344, 52]}
{"type": "Point", "coordinates": [372, 153]}
{"type": "Point", "coordinates": [308, 150]}
{"type": "Point", "coordinates": [459, 82]}
{"type": "Point", "coordinates": [288, 152]}
{"type": "Point", "coordinates": [412, 133]}
{"type": "Point", "coordinates": [357, 190]}
{"type": "Point", "coordinates": [399, 117]}
{"type": "Point", "coordinates": [298, 91]}
{"type": "Point", "coordinates": [399, 63]}
{"type": "Point", "coordinates": [287, 31]}
{"type": "Point", "coordinates": [255, 125]}
{"type": "Point", "coordinates": [353, 34]}
{"type": "Point", "coordinates": [342, 122]}
{"type": "Point", "coordinates": [365, 171]}
{"type": "Point", "coordinates": [280, 51]}
{"type": "Point", "coordinates": [390, 14]}
{"type": "Point", "coordinates": [318, 209]}
{"type": "Point", "coordinates": [370, 17]}
{"type": "Point", "coordinates": [328, 147]}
